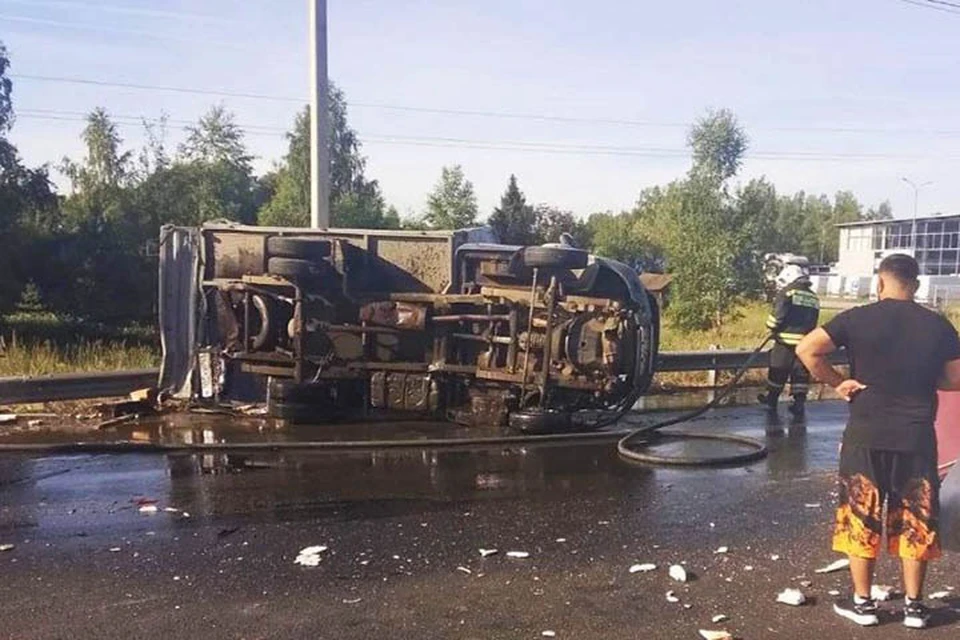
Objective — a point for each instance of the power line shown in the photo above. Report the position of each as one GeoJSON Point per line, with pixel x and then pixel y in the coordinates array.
{"type": "Point", "coordinates": [153, 35]}
{"type": "Point", "coordinates": [562, 148]}
{"type": "Point", "coordinates": [132, 11]}
{"type": "Point", "coordinates": [944, 3]}
{"type": "Point", "coordinates": [222, 93]}
{"type": "Point", "coordinates": [934, 7]}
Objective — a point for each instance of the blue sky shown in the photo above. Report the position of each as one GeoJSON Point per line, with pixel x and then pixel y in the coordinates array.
{"type": "Point", "coordinates": [848, 94]}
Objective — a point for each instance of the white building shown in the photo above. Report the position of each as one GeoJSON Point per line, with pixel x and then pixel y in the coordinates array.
{"type": "Point", "coordinates": [933, 241]}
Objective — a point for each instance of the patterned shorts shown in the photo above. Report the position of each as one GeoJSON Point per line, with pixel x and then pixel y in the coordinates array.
{"type": "Point", "coordinates": [907, 484]}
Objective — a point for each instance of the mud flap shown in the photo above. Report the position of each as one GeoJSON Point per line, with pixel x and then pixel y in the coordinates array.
{"type": "Point", "coordinates": [950, 510]}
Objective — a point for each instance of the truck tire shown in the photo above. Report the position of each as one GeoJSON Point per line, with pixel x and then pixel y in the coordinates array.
{"type": "Point", "coordinates": [313, 249]}
{"type": "Point", "coordinates": [537, 421]}
{"type": "Point", "coordinates": [298, 271]}
{"type": "Point", "coordinates": [555, 257]}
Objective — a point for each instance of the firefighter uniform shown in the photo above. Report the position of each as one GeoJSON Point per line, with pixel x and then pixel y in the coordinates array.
{"type": "Point", "coordinates": [796, 311]}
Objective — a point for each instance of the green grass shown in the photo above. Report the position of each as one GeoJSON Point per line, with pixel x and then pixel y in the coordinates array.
{"type": "Point", "coordinates": [42, 343]}
{"type": "Point", "coordinates": [746, 332]}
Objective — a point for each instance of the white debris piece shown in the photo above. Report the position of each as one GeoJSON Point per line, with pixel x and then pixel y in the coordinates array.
{"type": "Point", "coordinates": [881, 593]}
{"type": "Point", "coordinates": [678, 573]}
{"type": "Point", "coordinates": [812, 505]}
{"type": "Point", "coordinates": [148, 508]}
{"type": "Point", "coordinates": [548, 634]}
{"type": "Point", "coordinates": [561, 540]}
{"type": "Point", "coordinates": [464, 570]}
{"type": "Point", "coordinates": [353, 601]}
{"type": "Point", "coordinates": [939, 595]}
{"type": "Point", "coordinates": [34, 423]}
{"type": "Point", "coordinates": [774, 557]}
{"type": "Point", "coordinates": [114, 549]}
{"type": "Point", "coordinates": [6, 547]}
{"type": "Point", "coordinates": [749, 567]}
{"type": "Point", "coordinates": [805, 583]}
{"type": "Point", "coordinates": [518, 554]}
{"type": "Point", "coordinates": [718, 618]}
{"type": "Point", "coordinates": [793, 597]}
{"type": "Point", "coordinates": [834, 566]}
{"type": "Point", "coordinates": [722, 550]}
{"type": "Point", "coordinates": [171, 510]}
{"type": "Point", "coordinates": [671, 597]}
{"type": "Point", "coordinates": [7, 418]}
{"type": "Point", "coordinates": [487, 552]}
{"type": "Point", "coordinates": [310, 556]}
{"type": "Point", "coordinates": [707, 634]}
{"type": "Point", "coordinates": [688, 606]}
{"type": "Point", "coordinates": [643, 568]}
{"type": "Point", "coordinates": [833, 592]}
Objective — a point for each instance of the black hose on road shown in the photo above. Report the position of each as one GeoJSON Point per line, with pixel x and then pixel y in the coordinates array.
{"type": "Point", "coordinates": [644, 436]}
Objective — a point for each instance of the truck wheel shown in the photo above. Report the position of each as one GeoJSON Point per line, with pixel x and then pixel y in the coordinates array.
{"type": "Point", "coordinates": [297, 271]}
{"type": "Point", "coordinates": [534, 421]}
{"type": "Point", "coordinates": [555, 257]}
{"type": "Point", "coordinates": [313, 249]}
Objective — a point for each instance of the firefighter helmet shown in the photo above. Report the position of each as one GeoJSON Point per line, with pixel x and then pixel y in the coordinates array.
{"type": "Point", "coordinates": [790, 274]}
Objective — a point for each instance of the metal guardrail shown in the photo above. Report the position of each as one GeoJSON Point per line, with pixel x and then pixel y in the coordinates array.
{"type": "Point", "coordinates": [75, 386]}
{"type": "Point", "coordinates": [79, 386]}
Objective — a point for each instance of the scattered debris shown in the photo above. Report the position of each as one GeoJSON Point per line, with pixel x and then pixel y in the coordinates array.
{"type": "Point", "coordinates": [774, 557]}
{"type": "Point", "coordinates": [678, 573]}
{"type": "Point", "coordinates": [8, 418]}
{"type": "Point", "coordinates": [6, 547]}
{"type": "Point", "coordinates": [518, 554]}
{"type": "Point", "coordinates": [115, 549]}
{"type": "Point", "coordinates": [310, 556]}
{"type": "Point", "coordinates": [793, 597]}
{"type": "Point", "coordinates": [939, 595]}
{"type": "Point", "coordinates": [561, 540]}
{"type": "Point", "coordinates": [805, 583]}
{"type": "Point", "coordinates": [353, 601]}
{"type": "Point", "coordinates": [33, 424]}
{"type": "Point", "coordinates": [719, 618]}
{"type": "Point", "coordinates": [834, 566]}
{"type": "Point", "coordinates": [643, 568]}
{"type": "Point", "coordinates": [722, 550]}
{"type": "Point", "coordinates": [688, 606]}
{"type": "Point", "coordinates": [707, 634]}
{"type": "Point", "coordinates": [148, 395]}
{"type": "Point", "coordinates": [671, 597]}
{"type": "Point", "coordinates": [488, 552]}
{"type": "Point", "coordinates": [833, 592]}
{"type": "Point", "coordinates": [749, 567]}
{"type": "Point", "coordinates": [464, 570]}
{"type": "Point", "coordinates": [812, 505]}
{"type": "Point", "coordinates": [171, 510]}
{"type": "Point", "coordinates": [881, 593]}
{"type": "Point", "coordinates": [148, 508]}
{"type": "Point", "coordinates": [548, 634]}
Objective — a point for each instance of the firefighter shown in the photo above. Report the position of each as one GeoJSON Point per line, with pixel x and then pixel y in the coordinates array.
{"type": "Point", "coordinates": [796, 310]}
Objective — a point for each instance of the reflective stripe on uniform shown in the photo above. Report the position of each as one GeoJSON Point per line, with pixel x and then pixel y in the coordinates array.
{"type": "Point", "coordinates": [771, 322]}
{"type": "Point", "coordinates": [790, 339]}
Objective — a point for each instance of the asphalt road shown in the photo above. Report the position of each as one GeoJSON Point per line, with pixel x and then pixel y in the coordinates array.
{"type": "Point", "coordinates": [404, 529]}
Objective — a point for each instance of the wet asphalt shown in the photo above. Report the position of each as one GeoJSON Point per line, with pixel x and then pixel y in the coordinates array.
{"type": "Point", "coordinates": [404, 529]}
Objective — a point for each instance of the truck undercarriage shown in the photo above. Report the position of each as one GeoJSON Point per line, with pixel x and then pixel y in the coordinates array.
{"type": "Point", "coordinates": [335, 323]}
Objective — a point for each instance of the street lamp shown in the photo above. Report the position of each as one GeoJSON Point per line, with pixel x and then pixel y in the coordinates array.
{"type": "Point", "coordinates": [916, 198]}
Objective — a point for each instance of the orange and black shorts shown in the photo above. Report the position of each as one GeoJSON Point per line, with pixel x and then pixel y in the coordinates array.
{"type": "Point", "coordinates": [907, 484]}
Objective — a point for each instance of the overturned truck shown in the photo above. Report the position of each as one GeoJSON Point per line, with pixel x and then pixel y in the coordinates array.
{"type": "Point", "coordinates": [338, 323]}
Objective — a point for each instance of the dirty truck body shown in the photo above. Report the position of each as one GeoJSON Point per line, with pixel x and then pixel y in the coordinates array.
{"type": "Point", "coordinates": [337, 323]}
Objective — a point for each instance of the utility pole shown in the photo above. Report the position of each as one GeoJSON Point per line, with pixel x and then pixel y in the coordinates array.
{"type": "Point", "coordinates": [319, 117]}
{"type": "Point", "coordinates": [916, 200]}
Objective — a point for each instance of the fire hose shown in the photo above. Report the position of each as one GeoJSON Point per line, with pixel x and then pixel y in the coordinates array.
{"type": "Point", "coordinates": [629, 445]}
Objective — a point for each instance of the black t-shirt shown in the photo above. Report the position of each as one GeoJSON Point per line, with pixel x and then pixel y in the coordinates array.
{"type": "Point", "coordinates": [898, 350]}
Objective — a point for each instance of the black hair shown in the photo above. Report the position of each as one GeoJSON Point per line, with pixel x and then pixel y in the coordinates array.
{"type": "Point", "coordinates": [902, 267]}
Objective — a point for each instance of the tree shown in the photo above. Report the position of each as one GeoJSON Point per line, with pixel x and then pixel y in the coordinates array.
{"type": "Point", "coordinates": [514, 220]}
{"type": "Point", "coordinates": [355, 201]}
{"type": "Point", "coordinates": [452, 203]}
{"type": "Point", "coordinates": [550, 222]}
{"type": "Point", "coordinates": [718, 143]}
{"type": "Point", "coordinates": [882, 212]}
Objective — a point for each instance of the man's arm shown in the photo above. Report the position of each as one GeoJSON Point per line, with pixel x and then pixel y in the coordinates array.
{"type": "Point", "coordinates": [950, 379]}
{"type": "Point", "coordinates": [813, 351]}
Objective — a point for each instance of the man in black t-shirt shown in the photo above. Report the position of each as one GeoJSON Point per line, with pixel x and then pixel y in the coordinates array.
{"type": "Point", "coordinates": [900, 353]}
